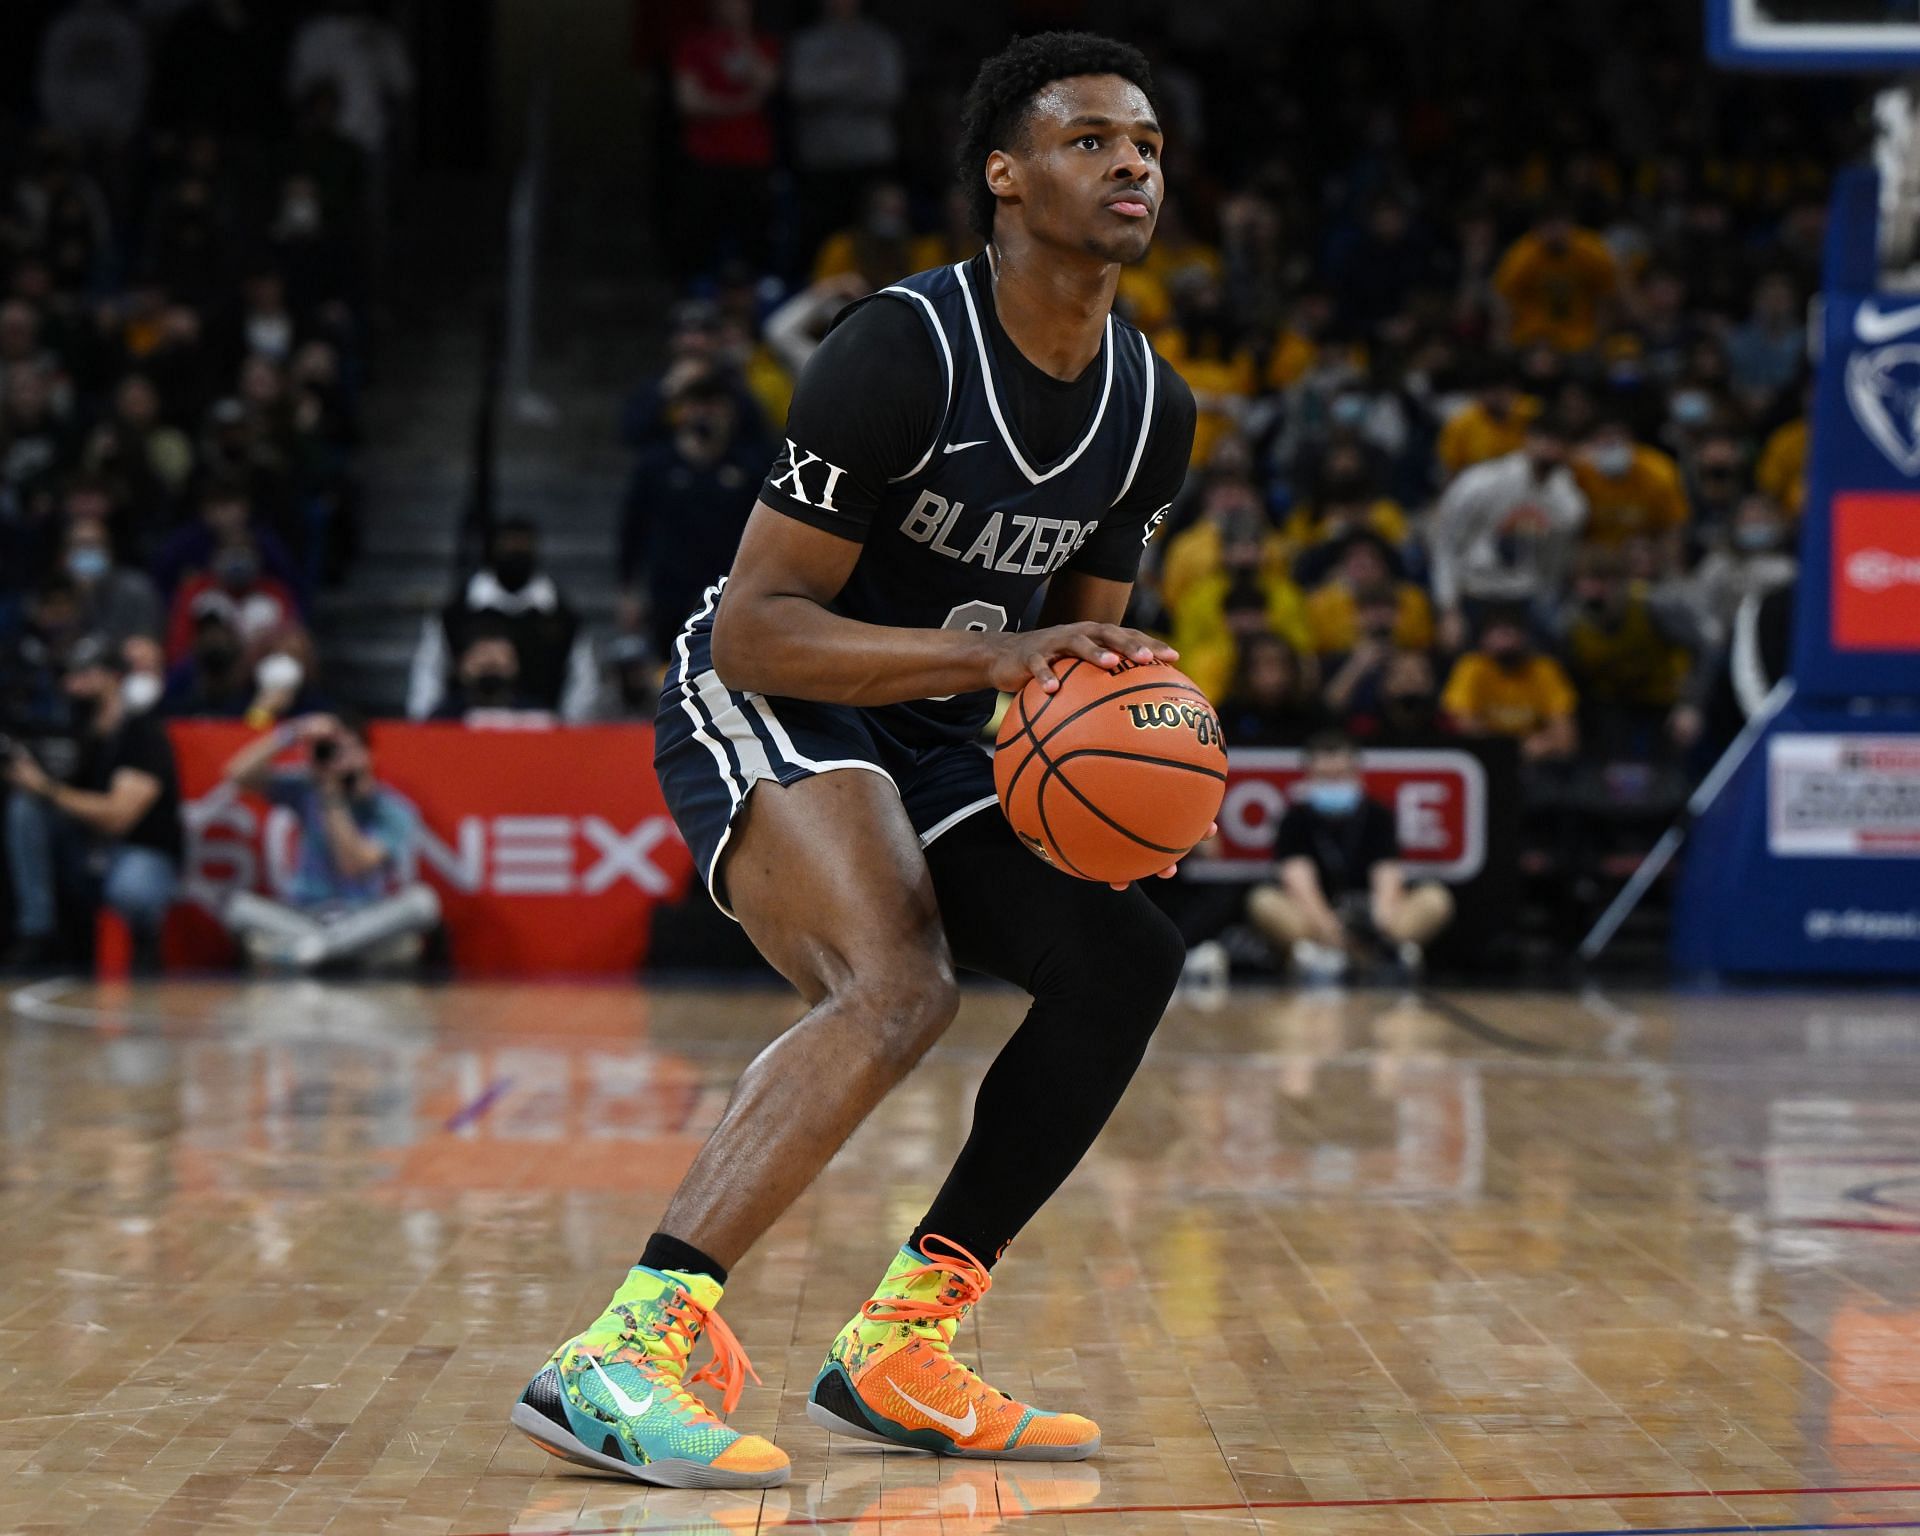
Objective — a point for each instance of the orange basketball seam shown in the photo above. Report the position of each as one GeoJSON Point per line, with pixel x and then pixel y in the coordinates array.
{"type": "Point", "coordinates": [1040, 800]}
{"type": "Point", "coordinates": [1039, 742]}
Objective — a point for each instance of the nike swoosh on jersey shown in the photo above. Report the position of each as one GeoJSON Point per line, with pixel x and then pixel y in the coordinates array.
{"type": "Point", "coordinates": [960, 1428]}
{"type": "Point", "coordinates": [625, 1404]}
{"type": "Point", "coordinates": [1874, 327]}
{"type": "Point", "coordinates": [956, 447]}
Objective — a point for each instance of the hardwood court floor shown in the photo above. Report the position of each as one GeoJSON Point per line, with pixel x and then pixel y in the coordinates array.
{"type": "Point", "coordinates": [278, 1258]}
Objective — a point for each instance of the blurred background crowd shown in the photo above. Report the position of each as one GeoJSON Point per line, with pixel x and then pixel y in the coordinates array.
{"type": "Point", "coordinates": [1495, 316]}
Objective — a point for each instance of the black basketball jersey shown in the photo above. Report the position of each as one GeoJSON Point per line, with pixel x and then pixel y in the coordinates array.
{"type": "Point", "coordinates": [964, 535]}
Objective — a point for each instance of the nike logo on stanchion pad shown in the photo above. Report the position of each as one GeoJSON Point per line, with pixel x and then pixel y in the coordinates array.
{"type": "Point", "coordinates": [625, 1404]}
{"type": "Point", "coordinates": [960, 1428]}
{"type": "Point", "coordinates": [1873, 326]}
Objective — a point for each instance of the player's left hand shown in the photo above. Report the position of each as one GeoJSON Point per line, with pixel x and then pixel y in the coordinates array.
{"type": "Point", "coordinates": [1213, 830]}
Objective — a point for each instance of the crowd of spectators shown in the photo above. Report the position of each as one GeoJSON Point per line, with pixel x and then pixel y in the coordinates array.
{"type": "Point", "coordinates": [184, 270]}
{"type": "Point", "coordinates": [1497, 334]}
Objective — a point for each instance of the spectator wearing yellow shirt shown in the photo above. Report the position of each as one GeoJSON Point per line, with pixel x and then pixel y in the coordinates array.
{"type": "Point", "coordinates": [1557, 285]}
{"type": "Point", "coordinates": [1782, 471]}
{"type": "Point", "coordinates": [1365, 569]}
{"type": "Point", "coordinates": [1505, 687]}
{"type": "Point", "coordinates": [1243, 597]}
{"type": "Point", "coordinates": [1633, 492]}
{"type": "Point", "coordinates": [1227, 498]}
{"type": "Point", "coordinates": [1492, 424]}
{"type": "Point", "coordinates": [1623, 651]}
{"type": "Point", "coordinates": [879, 248]}
{"type": "Point", "coordinates": [1204, 347]}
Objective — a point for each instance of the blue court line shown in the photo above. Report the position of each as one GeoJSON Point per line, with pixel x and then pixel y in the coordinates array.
{"type": "Point", "coordinates": [464, 1116]}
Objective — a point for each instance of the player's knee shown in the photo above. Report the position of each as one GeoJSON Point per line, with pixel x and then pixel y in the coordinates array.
{"type": "Point", "coordinates": [1130, 966]}
{"type": "Point", "coordinates": [911, 995]}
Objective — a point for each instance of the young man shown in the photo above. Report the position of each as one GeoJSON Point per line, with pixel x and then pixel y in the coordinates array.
{"type": "Point", "coordinates": [957, 442]}
{"type": "Point", "coordinates": [1337, 859]}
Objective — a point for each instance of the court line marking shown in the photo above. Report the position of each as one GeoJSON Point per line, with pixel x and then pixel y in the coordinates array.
{"type": "Point", "coordinates": [808, 1522]}
{"type": "Point", "coordinates": [470, 1112]}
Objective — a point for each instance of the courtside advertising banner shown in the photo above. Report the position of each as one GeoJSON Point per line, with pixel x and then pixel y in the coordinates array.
{"type": "Point", "coordinates": [549, 848]}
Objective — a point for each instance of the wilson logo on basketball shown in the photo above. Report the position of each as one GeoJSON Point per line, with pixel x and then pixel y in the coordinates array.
{"type": "Point", "coordinates": [1170, 717]}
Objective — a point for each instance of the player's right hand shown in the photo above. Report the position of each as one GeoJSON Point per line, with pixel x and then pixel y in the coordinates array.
{"type": "Point", "coordinates": [1027, 657]}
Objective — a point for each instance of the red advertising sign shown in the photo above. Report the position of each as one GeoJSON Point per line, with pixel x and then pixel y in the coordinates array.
{"type": "Point", "coordinates": [1438, 798]}
{"type": "Point", "coordinates": [549, 848]}
{"type": "Point", "coordinates": [1876, 571]}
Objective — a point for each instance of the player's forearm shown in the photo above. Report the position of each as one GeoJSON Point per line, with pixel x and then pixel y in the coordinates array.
{"type": "Point", "coordinates": [792, 647]}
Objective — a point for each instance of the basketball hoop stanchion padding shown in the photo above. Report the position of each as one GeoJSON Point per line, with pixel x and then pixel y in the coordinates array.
{"type": "Point", "coordinates": [1808, 862]}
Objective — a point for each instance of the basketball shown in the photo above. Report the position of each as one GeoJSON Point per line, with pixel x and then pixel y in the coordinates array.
{"type": "Point", "coordinates": [1115, 775]}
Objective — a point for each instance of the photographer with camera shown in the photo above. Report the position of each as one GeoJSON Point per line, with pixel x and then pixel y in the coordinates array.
{"type": "Point", "coordinates": [108, 830]}
{"type": "Point", "coordinates": [351, 899]}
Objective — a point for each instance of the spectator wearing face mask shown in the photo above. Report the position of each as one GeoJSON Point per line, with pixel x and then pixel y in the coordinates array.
{"type": "Point", "coordinates": [1632, 491]}
{"type": "Point", "coordinates": [1271, 701]}
{"type": "Point", "coordinates": [117, 601]}
{"type": "Point", "coordinates": [1406, 704]}
{"type": "Point", "coordinates": [212, 680]}
{"type": "Point", "coordinates": [1340, 891]}
{"type": "Point", "coordinates": [1490, 425]}
{"type": "Point", "coordinates": [1506, 687]}
{"type": "Point", "coordinates": [1716, 480]}
{"type": "Point", "coordinates": [107, 832]}
{"type": "Point", "coordinates": [260, 602]}
{"type": "Point", "coordinates": [510, 594]}
{"type": "Point", "coordinates": [1627, 654]}
{"type": "Point", "coordinates": [1504, 531]}
{"type": "Point", "coordinates": [686, 507]}
{"type": "Point", "coordinates": [1557, 286]}
{"type": "Point", "coordinates": [486, 684]}
{"type": "Point", "coordinates": [1363, 593]}
{"type": "Point", "coordinates": [1756, 558]}
{"type": "Point", "coordinates": [286, 680]}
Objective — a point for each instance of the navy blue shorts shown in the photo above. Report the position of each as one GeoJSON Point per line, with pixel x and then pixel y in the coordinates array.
{"type": "Point", "coordinates": [713, 744]}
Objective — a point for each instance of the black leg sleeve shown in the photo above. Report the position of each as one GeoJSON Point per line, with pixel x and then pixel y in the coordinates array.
{"type": "Point", "coordinates": [1100, 964]}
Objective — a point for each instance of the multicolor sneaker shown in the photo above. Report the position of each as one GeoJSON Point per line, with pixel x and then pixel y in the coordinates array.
{"type": "Point", "coordinates": [615, 1398]}
{"type": "Point", "coordinates": [891, 1375]}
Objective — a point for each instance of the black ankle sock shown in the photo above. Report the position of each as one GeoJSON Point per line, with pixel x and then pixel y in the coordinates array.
{"type": "Point", "coordinates": [665, 1252]}
{"type": "Point", "coordinates": [920, 1234]}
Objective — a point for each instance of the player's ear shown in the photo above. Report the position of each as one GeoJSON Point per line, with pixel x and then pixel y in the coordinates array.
{"type": "Point", "coordinates": [1003, 174]}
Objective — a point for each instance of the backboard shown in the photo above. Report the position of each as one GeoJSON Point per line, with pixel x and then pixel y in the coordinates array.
{"type": "Point", "coordinates": [1835, 36]}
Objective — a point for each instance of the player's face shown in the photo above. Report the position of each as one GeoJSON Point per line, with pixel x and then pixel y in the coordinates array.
{"type": "Point", "coordinates": [1088, 176]}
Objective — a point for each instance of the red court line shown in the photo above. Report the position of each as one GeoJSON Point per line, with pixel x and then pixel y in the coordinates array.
{"type": "Point", "coordinates": [815, 1522]}
{"type": "Point", "coordinates": [1836, 1224]}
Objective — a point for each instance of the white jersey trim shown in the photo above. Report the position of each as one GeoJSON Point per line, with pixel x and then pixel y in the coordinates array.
{"type": "Point", "coordinates": [946, 356]}
{"type": "Point", "coordinates": [1146, 425]}
{"type": "Point", "coordinates": [1034, 477]}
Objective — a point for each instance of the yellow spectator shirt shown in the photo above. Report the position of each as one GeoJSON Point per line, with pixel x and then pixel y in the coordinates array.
{"type": "Point", "coordinates": [1516, 703]}
{"type": "Point", "coordinates": [1555, 297]}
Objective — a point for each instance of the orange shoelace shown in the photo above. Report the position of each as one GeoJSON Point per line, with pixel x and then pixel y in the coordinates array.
{"type": "Point", "coordinates": [729, 1370]}
{"type": "Point", "coordinates": [968, 1282]}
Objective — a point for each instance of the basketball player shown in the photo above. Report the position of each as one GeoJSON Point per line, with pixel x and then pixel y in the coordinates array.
{"type": "Point", "coordinates": [959, 442]}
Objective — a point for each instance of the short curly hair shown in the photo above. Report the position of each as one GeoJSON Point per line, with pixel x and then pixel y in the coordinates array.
{"type": "Point", "coordinates": [1001, 98]}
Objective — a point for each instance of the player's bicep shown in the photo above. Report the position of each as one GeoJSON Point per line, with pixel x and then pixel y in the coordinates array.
{"type": "Point", "coordinates": [780, 556]}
